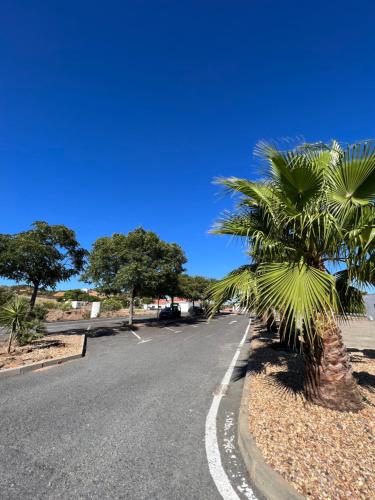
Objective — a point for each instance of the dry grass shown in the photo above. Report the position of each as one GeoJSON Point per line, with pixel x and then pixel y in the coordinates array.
{"type": "Point", "coordinates": [325, 454]}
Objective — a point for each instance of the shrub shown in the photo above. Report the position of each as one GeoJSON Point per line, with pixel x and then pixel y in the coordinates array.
{"type": "Point", "coordinates": [79, 295]}
{"type": "Point", "coordinates": [86, 314]}
{"type": "Point", "coordinates": [14, 316]}
{"type": "Point", "coordinates": [51, 304]}
{"type": "Point", "coordinates": [65, 306]}
{"type": "Point", "coordinates": [39, 312]}
{"type": "Point", "coordinates": [111, 304]}
{"type": "Point", "coordinates": [6, 294]}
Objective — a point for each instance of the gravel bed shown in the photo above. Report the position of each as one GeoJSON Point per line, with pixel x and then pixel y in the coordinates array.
{"type": "Point", "coordinates": [323, 453]}
{"type": "Point", "coordinates": [68, 345]}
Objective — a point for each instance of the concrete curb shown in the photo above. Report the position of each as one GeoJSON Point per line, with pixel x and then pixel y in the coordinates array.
{"type": "Point", "coordinates": [9, 372]}
{"type": "Point", "coordinates": [266, 481]}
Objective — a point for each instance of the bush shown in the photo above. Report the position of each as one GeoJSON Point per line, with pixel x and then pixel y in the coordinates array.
{"type": "Point", "coordinates": [111, 304]}
{"type": "Point", "coordinates": [65, 306]}
{"type": "Point", "coordinates": [5, 294]}
{"type": "Point", "coordinates": [50, 304]}
{"type": "Point", "coordinates": [14, 316]}
{"type": "Point", "coordinates": [79, 295]}
{"type": "Point", "coordinates": [39, 312]}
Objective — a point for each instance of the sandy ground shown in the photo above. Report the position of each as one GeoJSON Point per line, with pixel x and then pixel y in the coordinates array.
{"type": "Point", "coordinates": [67, 345]}
{"type": "Point", "coordinates": [325, 454]}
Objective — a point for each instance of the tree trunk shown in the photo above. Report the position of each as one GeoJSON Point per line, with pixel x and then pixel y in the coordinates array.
{"type": "Point", "coordinates": [329, 381]}
{"type": "Point", "coordinates": [270, 321]}
{"type": "Point", "coordinates": [11, 334]}
{"type": "Point", "coordinates": [131, 307]}
{"type": "Point", "coordinates": [33, 296]}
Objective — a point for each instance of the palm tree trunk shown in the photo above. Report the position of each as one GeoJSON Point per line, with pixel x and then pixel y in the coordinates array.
{"type": "Point", "coordinates": [329, 380]}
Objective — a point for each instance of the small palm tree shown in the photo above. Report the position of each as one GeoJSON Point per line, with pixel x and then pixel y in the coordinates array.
{"type": "Point", "coordinates": [14, 317]}
{"type": "Point", "coordinates": [314, 214]}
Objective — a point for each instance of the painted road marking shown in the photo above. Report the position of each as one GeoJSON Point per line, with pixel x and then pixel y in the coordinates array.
{"type": "Point", "coordinates": [215, 465]}
{"type": "Point", "coordinates": [136, 334]}
{"type": "Point", "coordinates": [144, 341]}
{"type": "Point", "coordinates": [171, 329]}
{"type": "Point", "coordinates": [234, 321]}
{"type": "Point", "coordinates": [195, 326]}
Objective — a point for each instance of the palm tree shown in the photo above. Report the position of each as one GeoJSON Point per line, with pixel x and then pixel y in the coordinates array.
{"type": "Point", "coordinates": [14, 317]}
{"type": "Point", "coordinates": [312, 215]}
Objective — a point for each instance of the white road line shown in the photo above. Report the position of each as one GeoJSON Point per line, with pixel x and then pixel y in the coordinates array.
{"type": "Point", "coordinates": [171, 329]}
{"type": "Point", "coordinates": [212, 447]}
{"type": "Point", "coordinates": [195, 326]}
{"type": "Point", "coordinates": [136, 334]}
{"type": "Point", "coordinates": [144, 341]}
{"type": "Point", "coordinates": [234, 321]}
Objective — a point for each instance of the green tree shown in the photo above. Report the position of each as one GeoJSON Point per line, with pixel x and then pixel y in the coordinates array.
{"type": "Point", "coordinates": [194, 287]}
{"type": "Point", "coordinates": [137, 264]}
{"type": "Point", "coordinates": [78, 294]}
{"type": "Point", "coordinates": [41, 257]}
{"type": "Point", "coordinates": [313, 214]}
{"type": "Point", "coordinates": [168, 278]}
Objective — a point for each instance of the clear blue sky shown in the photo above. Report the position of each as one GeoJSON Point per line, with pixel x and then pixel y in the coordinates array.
{"type": "Point", "coordinates": [120, 114]}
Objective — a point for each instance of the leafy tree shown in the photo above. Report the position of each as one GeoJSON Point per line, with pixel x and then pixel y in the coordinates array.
{"type": "Point", "coordinates": [79, 295]}
{"type": "Point", "coordinates": [111, 304]}
{"type": "Point", "coordinates": [194, 287]}
{"type": "Point", "coordinates": [312, 215]}
{"type": "Point", "coordinates": [168, 277]}
{"type": "Point", "coordinates": [41, 257]}
{"type": "Point", "coordinates": [138, 263]}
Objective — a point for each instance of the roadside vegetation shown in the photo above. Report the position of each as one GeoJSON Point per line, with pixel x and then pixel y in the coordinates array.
{"type": "Point", "coordinates": [41, 257]}
{"type": "Point", "coordinates": [126, 269]}
{"type": "Point", "coordinates": [138, 263]}
{"type": "Point", "coordinates": [309, 230]}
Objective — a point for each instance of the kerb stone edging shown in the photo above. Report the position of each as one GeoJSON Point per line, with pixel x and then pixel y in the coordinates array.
{"type": "Point", "coordinates": [9, 372]}
{"type": "Point", "coordinates": [267, 482]}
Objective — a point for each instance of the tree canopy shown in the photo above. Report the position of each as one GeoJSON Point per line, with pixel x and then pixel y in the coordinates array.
{"type": "Point", "coordinates": [42, 256]}
{"type": "Point", "coordinates": [138, 263]}
{"type": "Point", "coordinates": [194, 287]}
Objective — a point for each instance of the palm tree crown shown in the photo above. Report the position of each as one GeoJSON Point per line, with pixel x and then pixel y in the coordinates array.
{"type": "Point", "coordinates": [309, 227]}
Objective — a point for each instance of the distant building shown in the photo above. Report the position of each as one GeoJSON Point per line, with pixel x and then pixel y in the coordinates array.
{"type": "Point", "coordinates": [184, 304]}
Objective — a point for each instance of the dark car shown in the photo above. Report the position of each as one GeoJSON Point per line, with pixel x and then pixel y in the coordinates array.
{"type": "Point", "coordinates": [170, 312]}
{"type": "Point", "coordinates": [196, 311]}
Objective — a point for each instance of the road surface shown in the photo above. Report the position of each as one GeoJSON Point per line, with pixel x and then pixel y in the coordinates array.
{"type": "Point", "coordinates": [135, 419]}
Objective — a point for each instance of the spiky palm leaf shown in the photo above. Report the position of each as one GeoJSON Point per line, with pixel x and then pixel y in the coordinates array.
{"type": "Point", "coordinates": [316, 206]}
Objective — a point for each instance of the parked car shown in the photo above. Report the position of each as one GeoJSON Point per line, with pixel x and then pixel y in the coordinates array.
{"type": "Point", "coordinates": [171, 312]}
{"type": "Point", "coordinates": [196, 311]}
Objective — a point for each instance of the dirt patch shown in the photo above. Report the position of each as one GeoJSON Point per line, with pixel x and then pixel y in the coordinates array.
{"type": "Point", "coordinates": [73, 315]}
{"type": "Point", "coordinates": [49, 347]}
{"type": "Point", "coordinates": [323, 453]}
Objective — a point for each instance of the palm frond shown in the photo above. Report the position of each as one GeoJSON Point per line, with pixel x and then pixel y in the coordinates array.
{"type": "Point", "coordinates": [350, 297]}
{"type": "Point", "coordinates": [298, 291]}
{"type": "Point", "coordinates": [238, 286]}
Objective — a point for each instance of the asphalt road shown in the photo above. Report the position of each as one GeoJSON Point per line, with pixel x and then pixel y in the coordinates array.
{"type": "Point", "coordinates": [128, 420]}
{"type": "Point", "coordinates": [65, 326]}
